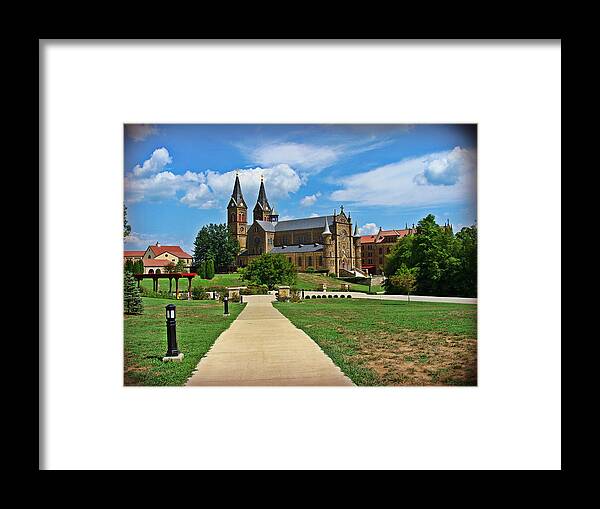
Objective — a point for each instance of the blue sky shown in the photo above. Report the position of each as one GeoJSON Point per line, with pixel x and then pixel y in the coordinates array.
{"type": "Point", "coordinates": [178, 177]}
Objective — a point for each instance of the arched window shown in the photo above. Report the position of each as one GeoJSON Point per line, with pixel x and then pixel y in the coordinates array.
{"type": "Point", "coordinates": [157, 271]}
{"type": "Point", "coordinates": [151, 271]}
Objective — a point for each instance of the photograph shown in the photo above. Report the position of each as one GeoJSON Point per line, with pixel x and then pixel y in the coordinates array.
{"type": "Point", "coordinates": [300, 254]}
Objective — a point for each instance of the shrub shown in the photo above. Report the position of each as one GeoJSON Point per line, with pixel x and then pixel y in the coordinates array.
{"type": "Point", "coordinates": [220, 289]}
{"type": "Point", "coordinates": [161, 294]}
{"type": "Point", "coordinates": [198, 293]}
{"type": "Point", "coordinates": [295, 296]}
{"type": "Point", "coordinates": [129, 266]}
{"type": "Point", "coordinates": [310, 270]}
{"type": "Point", "coordinates": [255, 290]}
{"type": "Point", "coordinates": [332, 275]}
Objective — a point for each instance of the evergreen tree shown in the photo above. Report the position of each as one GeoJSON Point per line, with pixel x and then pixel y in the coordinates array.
{"type": "Point", "coordinates": [210, 268]}
{"type": "Point", "coordinates": [138, 267]}
{"type": "Point", "coordinates": [202, 269]}
{"type": "Point", "coordinates": [132, 300]}
{"type": "Point", "coordinates": [129, 265]}
{"type": "Point", "coordinates": [180, 267]}
{"type": "Point", "coordinates": [126, 225]}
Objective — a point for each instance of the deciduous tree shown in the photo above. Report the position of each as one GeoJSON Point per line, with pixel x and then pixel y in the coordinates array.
{"type": "Point", "coordinates": [214, 241]}
{"type": "Point", "coordinates": [271, 270]}
{"type": "Point", "coordinates": [405, 280]}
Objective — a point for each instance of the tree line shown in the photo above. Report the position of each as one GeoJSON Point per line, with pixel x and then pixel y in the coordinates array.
{"type": "Point", "coordinates": [439, 261]}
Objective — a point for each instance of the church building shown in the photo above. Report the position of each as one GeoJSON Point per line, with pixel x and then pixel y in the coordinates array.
{"type": "Point", "coordinates": [324, 243]}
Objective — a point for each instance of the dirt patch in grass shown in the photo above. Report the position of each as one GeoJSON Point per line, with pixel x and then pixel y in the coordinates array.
{"type": "Point", "coordinates": [417, 357]}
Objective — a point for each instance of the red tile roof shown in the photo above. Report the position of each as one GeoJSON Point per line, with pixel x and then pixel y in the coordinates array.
{"type": "Point", "coordinates": [367, 239]}
{"type": "Point", "coordinates": [174, 250]}
{"type": "Point", "coordinates": [156, 263]}
{"type": "Point", "coordinates": [133, 253]}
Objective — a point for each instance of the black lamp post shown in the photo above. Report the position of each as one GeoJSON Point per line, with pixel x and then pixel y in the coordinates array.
{"type": "Point", "coordinates": [172, 350]}
{"type": "Point", "coordinates": [226, 306]}
{"type": "Point", "coordinates": [302, 293]}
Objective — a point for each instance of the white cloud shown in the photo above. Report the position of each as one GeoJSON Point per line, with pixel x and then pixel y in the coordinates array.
{"type": "Point", "coordinates": [139, 132]}
{"type": "Point", "coordinates": [314, 214]}
{"type": "Point", "coordinates": [307, 201]}
{"type": "Point", "coordinates": [368, 229]}
{"type": "Point", "coordinates": [446, 169]}
{"type": "Point", "coordinates": [204, 189]}
{"type": "Point", "coordinates": [158, 160]}
{"type": "Point", "coordinates": [434, 179]}
{"type": "Point", "coordinates": [310, 158]}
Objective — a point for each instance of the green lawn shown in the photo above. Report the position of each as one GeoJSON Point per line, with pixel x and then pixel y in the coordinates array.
{"type": "Point", "coordinates": [306, 281]}
{"type": "Point", "coordinates": [199, 323]}
{"type": "Point", "coordinates": [218, 280]}
{"type": "Point", "coordinates": [393, 342]}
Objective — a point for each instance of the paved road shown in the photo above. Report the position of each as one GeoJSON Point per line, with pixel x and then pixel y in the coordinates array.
{"type": "Point", "coordinates": [262, 347]}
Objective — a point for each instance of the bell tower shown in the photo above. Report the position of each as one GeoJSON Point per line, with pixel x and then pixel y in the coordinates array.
{"type": "Point", "coordinates": [237, 210]}
{"type": "Point", "coordinates": [262, 210]}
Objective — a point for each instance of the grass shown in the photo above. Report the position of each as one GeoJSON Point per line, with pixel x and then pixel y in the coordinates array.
{"type": "Point", "coordinates": [306, 281]}
{"type": "Point", "coordinates": [312, 281]}
{"type": "Point", "coordinates": [393, 342]}
{"type": "Point", "coordinates": [199, 324]}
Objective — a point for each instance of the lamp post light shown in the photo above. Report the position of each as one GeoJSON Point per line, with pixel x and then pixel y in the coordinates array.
{"type": "Point", "coordinates": [173, 354]}
{"type": "Point", "coordinates": [225, 306]}
{"type": "Point", "coordinates": [241, 299]}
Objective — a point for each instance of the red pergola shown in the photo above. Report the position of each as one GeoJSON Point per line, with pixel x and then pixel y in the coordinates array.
{"type": "Point", "coordinates": [170, 276]}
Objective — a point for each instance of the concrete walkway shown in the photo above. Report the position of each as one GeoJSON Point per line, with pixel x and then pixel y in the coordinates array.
{"type": "Point", "coordinates": [262, 347]}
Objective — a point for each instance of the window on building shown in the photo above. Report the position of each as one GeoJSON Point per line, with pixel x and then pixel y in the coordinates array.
{"type": "Point", "coordinates": [320, 261]}
{"type": "Point", "coordinates": [309, 261]}
{"type": "Point", "coordinates": [380, 250]}
{"type": "Point", "coordinates": [299, 261]}
{"type": "Point", "coordinates": [380, 260]}
{"type": "Point", "coordinates": [290, 259]}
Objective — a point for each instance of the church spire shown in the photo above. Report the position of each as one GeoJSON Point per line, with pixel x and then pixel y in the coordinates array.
{"type": "Point", "coordinates": [262, 196]}
{"type": "Point", "coordinates": [262, 209]}
{"type": "Point", "coordinates": [237, 195]}
{"type": "Point", "coordinates": [326, 230]}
